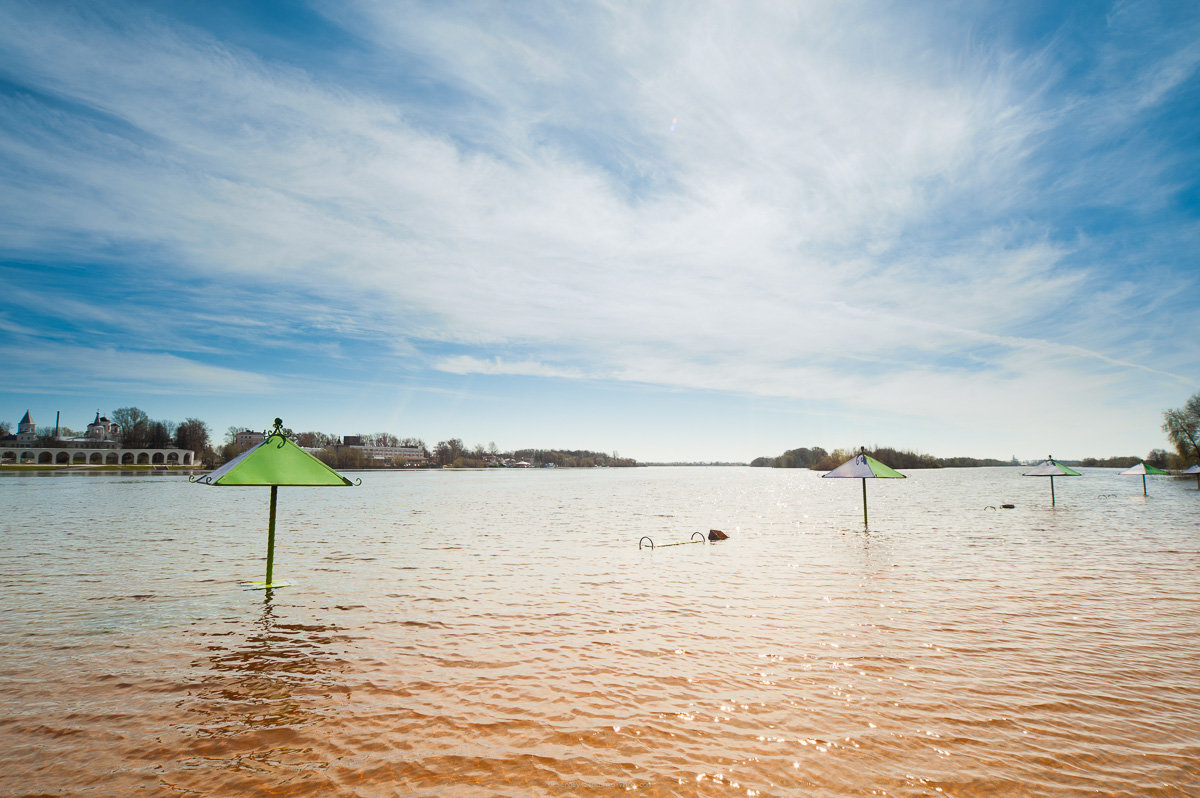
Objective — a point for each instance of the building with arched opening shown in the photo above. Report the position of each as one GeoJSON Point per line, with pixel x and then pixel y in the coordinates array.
{"type": "Point", "coordinates": [99, 445]}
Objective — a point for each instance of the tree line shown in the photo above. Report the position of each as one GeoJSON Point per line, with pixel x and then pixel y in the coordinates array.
{"type": "Point", "coordinates": [573, 458]}
{"type": "Point", "coordinates": [453, 453]}
{"type": "Point", "coordinates": [1181, 425]}
{"type": "Point", "coordinates": [1159, 458]}
{"type": "Point", "coordinates": [818, 459]}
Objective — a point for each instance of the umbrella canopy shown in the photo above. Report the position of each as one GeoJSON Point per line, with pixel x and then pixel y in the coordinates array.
{"type": "Point", "coordinates": [1193, 470]}
{"type": "Point", "coordinates": [274, 462]}
{"type": "Point", "coordinates": [863, 467]}
{"type": "Point", "coordinates": [1141, 469]}
{"type": "Point", "coordinates": [1052, 468]}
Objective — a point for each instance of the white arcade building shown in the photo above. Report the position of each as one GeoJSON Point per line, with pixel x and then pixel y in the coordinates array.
{"type": "Point", "coordinates": [100, 445]}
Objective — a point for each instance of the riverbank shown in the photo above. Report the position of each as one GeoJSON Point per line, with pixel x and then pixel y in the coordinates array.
{"type": "Point", "coordinates": [21, 468]}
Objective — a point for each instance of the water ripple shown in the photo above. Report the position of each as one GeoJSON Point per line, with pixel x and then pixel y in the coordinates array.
{"type": "Point", "coordinates": [501, 634]}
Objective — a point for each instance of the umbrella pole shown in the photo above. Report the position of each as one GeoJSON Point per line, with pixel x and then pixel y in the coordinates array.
{"type": "Point", "coordinates": [864, 482]}
{"type": "Point", "coordinates": [271, 535]}
{"type": "Point", "coordinates": [1144, 493]}
{"type": "Point", "coordinates": [1051, 491]}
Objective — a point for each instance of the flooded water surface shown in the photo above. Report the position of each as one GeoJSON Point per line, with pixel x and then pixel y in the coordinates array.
{"type": "Point", "coordinates": [501, 633]}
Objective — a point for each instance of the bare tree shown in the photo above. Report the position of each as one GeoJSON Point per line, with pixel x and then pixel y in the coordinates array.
{"type": "Point", "coordinates": [315, 440]}
{"type": "Point", "coordinates": [160, 435]}
{"type": "Point", "coordinates": [1183, 428]}
{"type": "Point", "coordinates": [135, 426]}
{"type": "Point", "coordinates": [192, 434]}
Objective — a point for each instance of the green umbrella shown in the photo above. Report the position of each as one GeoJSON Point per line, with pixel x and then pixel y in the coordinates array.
{"type": "Point", "coordinates": [1052, 468]}
{"type": "Point", "coordinates": [863, 467]}
{"type": "Point", "coordinates": [276, 461]}
{"type": "Point", "coordinates": [1143, 469]}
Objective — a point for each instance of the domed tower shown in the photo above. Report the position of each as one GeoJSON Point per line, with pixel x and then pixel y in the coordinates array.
{"type": "Point", "coordinates": [102, 429]}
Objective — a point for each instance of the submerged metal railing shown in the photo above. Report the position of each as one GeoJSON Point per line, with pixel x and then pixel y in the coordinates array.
{"type": "Point", "coordinates": [646, 538]}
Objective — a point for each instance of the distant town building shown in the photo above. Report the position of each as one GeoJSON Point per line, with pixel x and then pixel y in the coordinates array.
{"type": "Point", "coordinates": [26, 430]}
{"type": "Point", "coordinates": [103, 430]}
{"type": "Point", "coordinates": [386, 454]}
{"type": "Point", "coordinates": [100, 445]}
{"type": "Point", "coordinates": [247, 438]}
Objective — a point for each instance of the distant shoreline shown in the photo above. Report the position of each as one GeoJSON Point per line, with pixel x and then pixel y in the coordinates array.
{"type": "Point", "coordinates": [80, 468]}
{"type": "Point", "coordinates": [60, 470]}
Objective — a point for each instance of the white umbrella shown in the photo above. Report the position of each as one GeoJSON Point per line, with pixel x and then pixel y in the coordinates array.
{"type": "Point", "coordinates": [1193, 470]}
{"type": "Point", "coordinates": [1143, 470]}
{"type": "Point", "coordinates": [863, 467]}
{"type": "Point", "coordinates": [1052, 468]}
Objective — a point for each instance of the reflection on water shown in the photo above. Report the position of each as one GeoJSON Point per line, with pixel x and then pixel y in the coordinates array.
{"type": "Point", "coordinates": [260, 678]}
{"type": "Point", "coordinates": [501, 634]}
{"type": "Point", "coordinates": [262, 689]}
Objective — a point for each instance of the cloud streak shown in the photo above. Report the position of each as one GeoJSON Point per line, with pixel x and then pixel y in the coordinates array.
{"type": "Point", "coordinates": [848, 200]}
{"type": "Point", "coordinates": [55, 368]}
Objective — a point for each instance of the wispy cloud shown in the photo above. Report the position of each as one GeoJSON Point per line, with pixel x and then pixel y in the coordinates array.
{"type": "Point", "coordinates": [466, 364]}
{"type": "Point", "coordinates": [53, 368]}
{"type": "Point", "coordinates": [793, 202]}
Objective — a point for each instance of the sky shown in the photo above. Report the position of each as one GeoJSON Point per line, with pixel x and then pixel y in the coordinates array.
{"type": "Point", "coordinates": [675, 230]}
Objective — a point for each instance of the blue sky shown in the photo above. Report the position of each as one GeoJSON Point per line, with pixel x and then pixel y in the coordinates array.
{"type": "Point", "coordinates": [676, 230]}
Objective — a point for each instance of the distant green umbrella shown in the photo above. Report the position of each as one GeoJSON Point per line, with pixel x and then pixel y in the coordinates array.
{"type": "Point", "coordinates": [276, 461]}
{"type": "Point", "coordinates": [863, 467]}
{"type": "Point", "coordinates": [1143, 470]}
{"type": "Point", "coordinates": [1052, 468]}
{"type": "Point", "coordinates": [1193, 470]}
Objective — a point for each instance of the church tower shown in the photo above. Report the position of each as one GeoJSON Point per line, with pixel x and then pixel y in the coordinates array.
{"type": "Point", "coordinates": [102, 429]}
{"type": "Point", "coordinates": [26, 429]}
